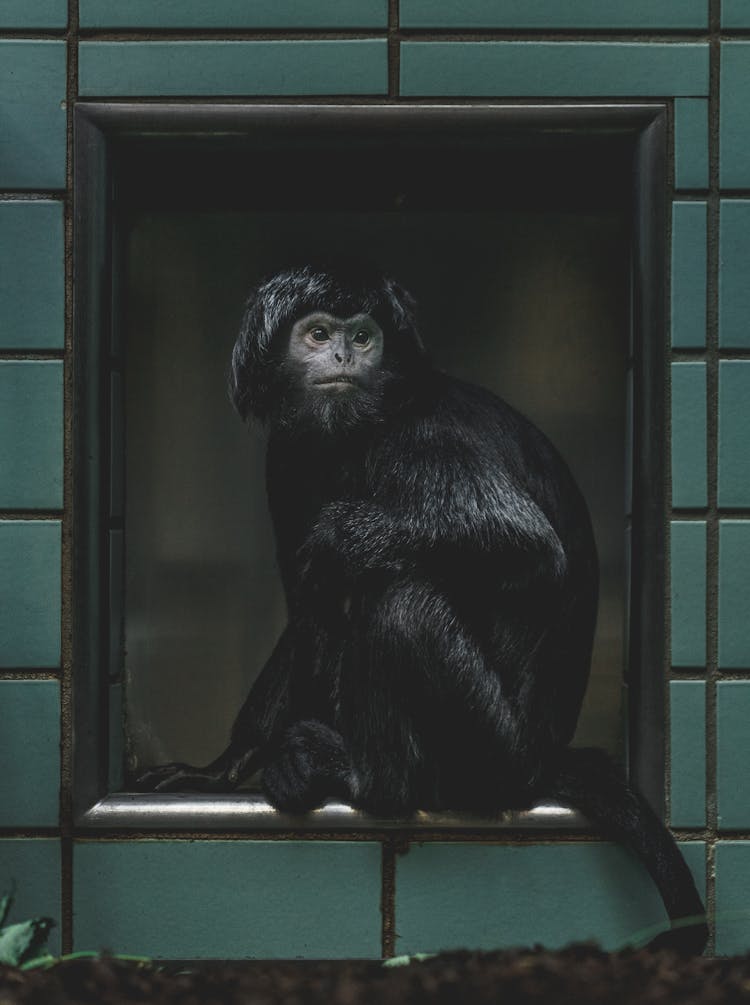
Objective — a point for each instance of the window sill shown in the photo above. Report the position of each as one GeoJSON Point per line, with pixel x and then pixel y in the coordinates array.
{"type": "Point", "coordinates": [200, 812]}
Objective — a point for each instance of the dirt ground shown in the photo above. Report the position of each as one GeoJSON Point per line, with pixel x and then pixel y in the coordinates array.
{"type": "Point", "coordinates": [573, 976]}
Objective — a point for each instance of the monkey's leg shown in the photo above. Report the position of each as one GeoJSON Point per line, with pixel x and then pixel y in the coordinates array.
{"type": "Point", "coordinates": [264, 711]}
{"type": "Point", "coordinates": [425, 715]}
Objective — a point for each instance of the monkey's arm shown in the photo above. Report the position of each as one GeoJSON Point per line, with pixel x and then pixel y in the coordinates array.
{"type": "Point", "coordinates": [496, 523]}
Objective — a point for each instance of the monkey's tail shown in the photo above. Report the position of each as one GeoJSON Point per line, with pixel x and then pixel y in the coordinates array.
{"type": "Point", "coordinates": [589, 781]}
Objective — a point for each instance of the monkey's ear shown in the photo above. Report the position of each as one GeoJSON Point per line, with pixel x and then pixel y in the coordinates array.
{"type": "Point", "coordinates": [251, 368]}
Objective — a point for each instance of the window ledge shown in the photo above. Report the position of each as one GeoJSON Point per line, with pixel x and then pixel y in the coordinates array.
{"type": "Point", "coordinates": [199, 812]}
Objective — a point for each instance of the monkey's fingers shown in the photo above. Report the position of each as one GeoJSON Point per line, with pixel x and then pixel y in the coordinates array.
{"type": "Point", "coordinates": [182, 777]}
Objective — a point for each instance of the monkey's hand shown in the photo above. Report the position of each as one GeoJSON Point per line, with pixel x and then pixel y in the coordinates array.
{"type": "Point", "coordinates": [350, 542]}
{"type": "Point", "coordinates": [222, 775]}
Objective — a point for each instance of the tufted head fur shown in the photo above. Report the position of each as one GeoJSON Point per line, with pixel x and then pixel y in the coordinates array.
{"type": "Point", "coordinates": [277, 302]}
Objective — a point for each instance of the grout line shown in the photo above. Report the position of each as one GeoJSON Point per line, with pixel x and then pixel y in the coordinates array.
{"type": "Point", "coordinates": [148, 35]}
{"type": "Point", "coordinates": [388, 899]}
{"type": "Point", "coordinates": [36, 195]}
{"type": "Point", "coordinates": [30, 673]}
{"type": "Point", "coordinates": [66, 709]}
{"type": "Point", "coordinates": [712, 320]}
{"type": "Point", "coordinates": [666, 438]}
{"type": "Point", "coordinates": [468, 34]}
{"type": "Point", "coordinates": [394, 49]}
{"type": "Point", "coordinates": [38, 515]}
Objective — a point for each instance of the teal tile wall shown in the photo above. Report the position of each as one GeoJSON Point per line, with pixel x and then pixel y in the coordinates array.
{"type": "Point", "coordinates": [691, 143]}
{"type": "Point", "coordinates": [553, 69]}
{"type": "Point", "coordinates": [689, 274]}
{"type": "Point", "coordinates": [29, 753]}
{"type": "Point", "coordinates": [32, 868]}
{"type": "Point", "coordinates": [708, 463]}
{"type": "Point", "coordinates": [734, 265]}
{"type": "Point", "coordinates": [735, 14]}
{"type": "Point", "coordinates": [734, 434]}
{"type": "Point", "coordinates": [554, 14]}
{"type": "Point", "coordinates": [733, 752]}
{"type": "Point", "coordinates": [483, 896]}
{"type": "Point", "coordinates": [31, 445]}
{"type": "Point", "coordinates": [32, 113]}
{"type": "Point", "coordinates": [31, 275]}
{"type": "Point", "coordinates": [233, 14]}
{"type": "Point", "coordinates": [689, 464]}
{"type": "Point", "coordinates": [732, 897]}
{"type": "Point", "coordinates": [357, 66]}
{"type": "Point", "coordinates": [687, 707]}
{"type": "Point", "coordinates": [30, 593]}
{"type": "Point", "coordinates": [33, 14]}
{"type": "Point", "coordinates": [247, 899]}
{"type": "Point", "coordinates": [735, 114]}
{"type": "Point", "coordinates": [688, 593]}
{"type": "Point", "coordinates": [734, 625]}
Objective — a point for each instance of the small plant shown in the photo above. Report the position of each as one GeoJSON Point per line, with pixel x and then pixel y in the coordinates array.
{"type": "Point", "coordinates": [23, 940]}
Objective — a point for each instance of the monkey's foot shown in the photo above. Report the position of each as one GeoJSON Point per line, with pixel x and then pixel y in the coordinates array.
{"type": "Point", "coordinates": [178, 777]}
{"type": "Point", "coordinates": [311, 765]}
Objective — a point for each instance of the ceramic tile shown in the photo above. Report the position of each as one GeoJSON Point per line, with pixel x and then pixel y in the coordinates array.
{"type": "Point", "coordinates": [33, 13]}
{"type": "Point", "coordinates": [32, 112]}
{"type": "Point", "coordinates": [733, 754]}
{"type": "Point", "coordinates": [735, 14]}
{"type": "Point", "coordinates": [32, 275]}
{"type": "Point", "coordinates": [691, 143]}
{"type": "Point", "coordinates": [553, 69]}
{"type": "Point", "coordinates": [734, 582]}
{"type": "Point", "coordinates": [357, 66]}
{"type": "Point", "coordinates": [245, 898]}
{"type": "Point", "coordinates": [734, 434]}
{"type": "Point", "coordinates": [687, 704]}
{"type": "Point", "coordinates": [732, 897]}
{"type": "Point", "coordinates": [734, 169]}
{"type": "Point", "coordinates": [734, 265]}
{"type": "Point", "coordinates": [489, 896]}
{"type": "Point", "coordinates": [233, 14]}
{"type": "Point", "coordinates": [30, 593]}
{"type": "Point", "coordinates": [585, 14]}
{"type": "Point", "coordinates": [689, 470]}
{"type": "Point", "coordinates": [688, 547]}
{"type": "Point", "coordinates": [31, 434]}
{"type": "Point", "coordinates": [31, 867]}
{"type": "Point", "coordinates": [689, 235]}
{"type": "Point", "coordinates": [29, 753]}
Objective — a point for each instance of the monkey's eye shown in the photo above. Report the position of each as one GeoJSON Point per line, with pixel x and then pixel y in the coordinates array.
{"type": "Point", "coordinates": [362, 338]}
{"type": "Point", "coordinates": [318, 334]}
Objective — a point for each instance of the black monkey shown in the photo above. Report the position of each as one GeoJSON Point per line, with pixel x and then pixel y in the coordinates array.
{"type": "Point", "coordinates": [441, 580]}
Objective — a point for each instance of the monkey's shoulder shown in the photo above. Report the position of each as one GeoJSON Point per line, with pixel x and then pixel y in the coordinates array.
{"type": "Point", "coordinates": [456, 417]}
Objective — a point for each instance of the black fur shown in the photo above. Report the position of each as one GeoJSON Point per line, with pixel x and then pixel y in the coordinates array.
{"type": "Point", "coordinates": [441, 578]}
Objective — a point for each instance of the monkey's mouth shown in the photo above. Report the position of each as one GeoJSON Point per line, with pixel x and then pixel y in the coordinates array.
{"type": "Point", "coordinates": [337, 382]}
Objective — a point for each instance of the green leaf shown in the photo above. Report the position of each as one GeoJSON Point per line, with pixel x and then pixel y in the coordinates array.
{"type": "Point", "coordinates": [404, 961]}
{"type": "Point", "coordinates": [24, 940]}
{"type": "Point", "coordinates": [5, 905]}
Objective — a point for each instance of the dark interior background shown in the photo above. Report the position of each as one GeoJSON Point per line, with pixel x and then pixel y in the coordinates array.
{"type": "Point", "coordinates": [519, 260]}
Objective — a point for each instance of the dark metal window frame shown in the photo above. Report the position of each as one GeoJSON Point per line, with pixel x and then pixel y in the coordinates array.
{"type": "Point", "coordinates": [102, 131]}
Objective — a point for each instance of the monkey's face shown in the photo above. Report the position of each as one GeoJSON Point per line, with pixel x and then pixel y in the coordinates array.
{"type": "Point", "coordinates": [332, 371]}
{"type": "Point", "coordinates": [335, 356]}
